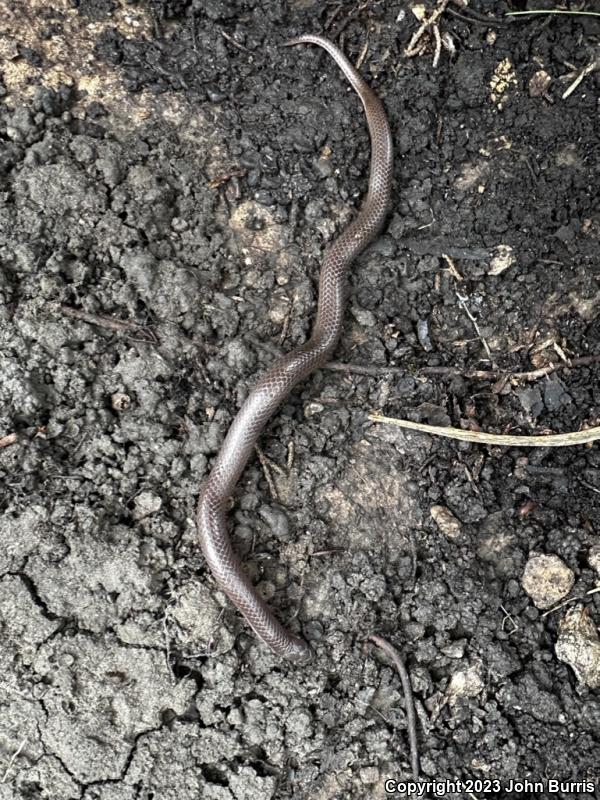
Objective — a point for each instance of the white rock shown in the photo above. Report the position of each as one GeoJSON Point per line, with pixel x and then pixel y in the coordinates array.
{"type": "Point", "coordinates": [547, 579]}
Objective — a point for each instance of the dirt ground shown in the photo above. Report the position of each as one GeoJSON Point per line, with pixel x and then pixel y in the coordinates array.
{"type": "Point", "coordinates": [169, 177]}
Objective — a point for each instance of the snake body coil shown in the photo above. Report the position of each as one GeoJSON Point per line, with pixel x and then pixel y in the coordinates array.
{"type": "Point", "coordinates": [276, 384]}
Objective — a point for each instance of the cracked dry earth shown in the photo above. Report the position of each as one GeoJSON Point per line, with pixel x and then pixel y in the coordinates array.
{"type": "Point", "coordinates": [169, 177]}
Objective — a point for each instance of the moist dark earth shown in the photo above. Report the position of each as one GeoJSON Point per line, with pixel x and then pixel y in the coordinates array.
{"type": "Point", "coordinates": [170, 176]}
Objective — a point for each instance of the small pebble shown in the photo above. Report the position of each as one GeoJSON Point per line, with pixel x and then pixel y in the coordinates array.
{"type": "Point", "coordinates": [120, 401]}
{"type": "Point", "coordinates": [455, 649]}
{"type": "Point", "coordinates": [423, 335]}
{"type": "Point", "coordinates": [502, 259]}
{"type": "Point", "coordinates": [547, 579]}
{"type": "Point", "coordinates": [594, 558]}
{"type": "Point", "coordinates": [312, 408]}
{"type": "Point", "coordinates": [145, 504]}
{"type": "Point", "coordinates": [446, 521]}
{"type": "Point", "coordinates": [466, 683]}
{"type": "Point", "coordinates": [369, 775]}
{"type": "Point", "coordinates": [578, 646]}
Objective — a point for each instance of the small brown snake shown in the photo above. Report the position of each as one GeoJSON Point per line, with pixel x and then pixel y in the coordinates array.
{"type": "Point", "coordinates": [276, 384]}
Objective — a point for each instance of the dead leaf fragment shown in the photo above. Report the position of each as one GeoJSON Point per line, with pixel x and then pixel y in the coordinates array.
{"type": "Point", "coordinates": [539, 83]}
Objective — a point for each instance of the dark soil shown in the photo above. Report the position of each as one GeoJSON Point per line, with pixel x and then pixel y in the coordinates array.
{"type": "Point", "coordinates": [169, 178]}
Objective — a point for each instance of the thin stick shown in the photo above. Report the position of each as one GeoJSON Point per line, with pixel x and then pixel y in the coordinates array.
{"type": "Point", "coordinates": [560, 605]}
{"type": "Point", "coordinates": [413, 47]}
{"type": "Point", "coordinates": [264, 462]}
{"type": "Point", "coordinates": [570, 600]}
{"type": "Point", "coordinates": [438, 45]}
{"type": "Point", "coordinates": [409, 700]}
{"type": "Point", "coordinates": [508, 616]}
{"type": "Point", "coordinates": [480, 437]}
{"type": "Point", "coordinates": [234, 43]}
{"type": "Point", "coordinates": [110, 323]}
{"type": "Point", "coordinates": [532, 375]}
{"type": "Point", "coordinates": [362, 55]}
{"type": "Point", "coordinates": [364, 369]}
{"type": "Point", "coordinates": [452, 268]}
{"type": "Point", "coordinates": [593, 65]}
{"type": "Point", "coordinates": [462, 302]}
{"type": "Point", "coordinates": [473, 16]}
{"type": "Point", "coordinates": [555, 11]}
{"type": "Point", "coordinates": [14, 757]}
{"type": "Point", "coordinates": [479, 374]}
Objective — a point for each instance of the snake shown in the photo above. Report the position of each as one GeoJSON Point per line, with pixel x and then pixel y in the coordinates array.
{"type": "Point", "coordinates": [274, 386]}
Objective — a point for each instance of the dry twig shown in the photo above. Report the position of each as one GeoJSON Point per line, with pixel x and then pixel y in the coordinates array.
{"type": "Point", "coordinates": [266, 465]}
{"type": "Point", "coordinates": [110, 323]}
{"type": "Point", "coordinates": [14, 757]}
{"type": "Point", "coordinates": [587, 70]}
{"type": "Point", "coordinates": [554, 11]}
{"type": "Point", "coordinates": [498, 439]}
{"type": "Point", "coordinates": [430, 23]}
{"type": "Point", "coordinates": [462, 302]}
{"type": "Point", "coordinates": [409, 700]}
{"type": "Point", "coordinates": [239, 46]}
{"type": "Point", "coordinates": [514, 377]}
